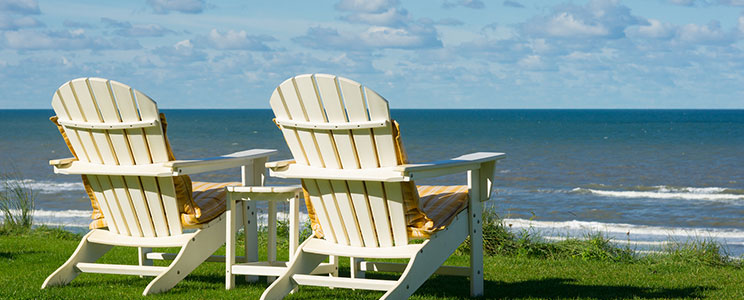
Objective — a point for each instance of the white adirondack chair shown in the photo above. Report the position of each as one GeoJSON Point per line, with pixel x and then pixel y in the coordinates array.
{"type": "Point", "coordinates": [116, 134]}
{"type": "Point", "coordinates": [341, 136]}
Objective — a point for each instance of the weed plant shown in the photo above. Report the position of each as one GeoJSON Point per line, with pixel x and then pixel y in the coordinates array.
{"type": "Point", "coordinates": [17, 203]}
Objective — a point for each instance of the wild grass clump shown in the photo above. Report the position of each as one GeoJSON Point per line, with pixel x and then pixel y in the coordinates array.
{"type": "Point", "coordinates": [696, 251]}
{"type": "Point", "coordinates": [17, 203]}
{"type": "Point", "coordinates": [498, 239]}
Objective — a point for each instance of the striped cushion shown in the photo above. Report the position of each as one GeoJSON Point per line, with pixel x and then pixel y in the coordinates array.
{"type": "Point", "coordinates": [427, 208]}
{"type": "Point", "coordinates": [440, 204]}
{"type": "Point", "coordinates": [209, 202]}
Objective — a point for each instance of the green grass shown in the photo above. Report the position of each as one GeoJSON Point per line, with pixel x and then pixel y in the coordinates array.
{"type": "Point", "coordinates": [577, 273]}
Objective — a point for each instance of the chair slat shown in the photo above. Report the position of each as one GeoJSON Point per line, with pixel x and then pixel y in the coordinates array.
{"type": "Point", "coordinates": [363, 214]}
{"type": "Point", "coordinates": [109, 113]}
{"type": "Point", "coordinates": [320, 209]}
{"type": "Point", "coordinates": [378, 206]}
{"type": "Point", "coordinates": [316, 114]}
{"type": "Point", "coordinates": [125, 204]}
{"type": "Point", "coordinates": [154, 203]}
{"type": "Point", "coordinates": [86, 138]}
{"type": "Point", "coordinates": [103, 205]}
{"type": "Point", "coordinates": [378, 110]}
{"type": "Point", "coordinates": [170, 205]}
{"type": "Point", "coordinates": [155, 138]}
{"type": "Point", "coordinates": [306, 136]}
{"type": "Point", "coordinates": [290, 134]}
{"type": "Point", "coordinates": [394, 195]}
{"type": "Point", "coordinates": [357, 111]}
{"type": "Point", "coordinates": [334, 214]}
{"type": "Point", "coordinates": [114, 205]}
{"type": "Point", "coordinates": [335, 112]}
{"type": "Point", "coordinates": [128, 111]}
{"type": "Point", "coordinates": [346, 209]}
{"type": "Point", "coordinates": [89, 109]}
{"type": "Point", "coordinates": [72, 134]}
{"type": "Point", "coordinates": [139, 201]}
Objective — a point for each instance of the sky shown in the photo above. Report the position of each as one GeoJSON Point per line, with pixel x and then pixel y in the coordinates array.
{"type": "Point", "coordinates": [416, 54]}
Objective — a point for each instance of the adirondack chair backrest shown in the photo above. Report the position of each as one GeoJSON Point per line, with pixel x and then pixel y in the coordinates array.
{"type": "Point", "coordinates": [336, 123]}
{"type": "Point", "coordinates": [112, 124]}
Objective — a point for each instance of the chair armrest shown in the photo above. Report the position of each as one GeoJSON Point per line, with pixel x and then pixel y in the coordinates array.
{"type": "Point", "coordinates": [480, 167]}
{"type": "Point", "coordinates": [458, 164]}
{"type": "Point", "coordinates": [237, 159]}
{"type": "Point", "coordinates": [165, 169]}
{"type": "Point", "coordinates": [61, 162]}
{"type": "Point", "coordinates": [280, 164]}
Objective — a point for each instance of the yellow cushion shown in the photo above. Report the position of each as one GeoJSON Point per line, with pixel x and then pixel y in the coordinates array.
{"type": "Point", "coordinates": [210, 201]}
{"type": "Point", "coordinates": [427, 208]}
{"type": "Point", "coordinates": [194, 212]}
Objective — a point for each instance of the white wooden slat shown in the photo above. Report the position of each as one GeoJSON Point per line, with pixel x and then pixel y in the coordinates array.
{"type": "Point", "coordinates": [89, 108]}
{"type": "Point", "coordinates": [155, 138]}
{"type": "Point", "coordinates": [290, 134]}
{"type": "Point", "coordinates": [316, 114]}
{"type": "Point", "coordinates": [170, 204]}
{"type": "Point", "coordinates": [346, 209]}
{"type": "Point", "coordinates": [334, 107]}
{"type": "Point", "coordinates": [334, 214]}
{"type": "Point", "coordinates": [154, 203]}
{"type": "Point", "coordinates": [297, 112]}
{"type": "Point", "coordinates": [378, 110]}
{"type": "Point", "coordinates": [102, 203]}
{"type": "Point", "coordinates": [116, 211]}
{"type": "Point", "coordinates": [86, 139]}
{"type": "Point", "coordinates": [125, 203]}
{"type": "Point", "coordinates": [137, 195]}
{"type": "Point", "coordinates": [110, 115]}
{"type": "Point", "coordinates": [364, 217]}
{"type": "Point", "coordinates": [128, 112]}
{"type": "Point", "coordinates": [72, 134]}
{"type": "Point", "coordinates": [320, 209]}
{"type": "Point", "coordinates": [357, 111]}
{"type": "Point", "coordinates": [394, 195]}
{"type": "Point", "coordinates": [378, 206]}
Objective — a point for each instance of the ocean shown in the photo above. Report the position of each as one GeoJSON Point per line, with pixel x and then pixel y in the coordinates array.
{"type": "Point", "coordinates": [641, 177]}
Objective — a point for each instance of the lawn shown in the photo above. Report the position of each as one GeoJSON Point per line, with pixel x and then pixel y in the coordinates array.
{"type": "Point", "coordinates": [26, 259]}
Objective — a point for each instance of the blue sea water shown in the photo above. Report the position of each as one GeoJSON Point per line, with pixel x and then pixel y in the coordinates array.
{"type": "Point", "coordinates": [641, 175]}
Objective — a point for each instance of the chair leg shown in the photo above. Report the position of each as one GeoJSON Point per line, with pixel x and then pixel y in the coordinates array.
{"type": "Point", "coordinates": [302, 263]}
{"type": "Point", "coordinates": [432, 255]}
{"type": "Point", "coordinates": [85, 252]}
{"type": "Point", "coordinates": [201, 246]}
{"type": "Point", "coordinates": [476, 249]}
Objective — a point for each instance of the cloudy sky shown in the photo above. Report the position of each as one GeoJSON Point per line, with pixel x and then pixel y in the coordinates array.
{"type": "Point", "coordinates": [417, 54]}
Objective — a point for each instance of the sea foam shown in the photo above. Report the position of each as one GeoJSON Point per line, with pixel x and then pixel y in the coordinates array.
{"type": "Point", "coordinates": [665, 192]}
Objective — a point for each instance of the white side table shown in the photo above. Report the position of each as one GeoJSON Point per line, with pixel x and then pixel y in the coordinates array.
{"type": "Point", "coordinates": [241, 210]}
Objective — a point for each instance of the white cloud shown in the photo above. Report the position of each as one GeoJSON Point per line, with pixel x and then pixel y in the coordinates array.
{"type": "Point", "coordinates": [26, 7]}
{"type": "Point", "coordinates": [510, 3]}
{"type": "Point", "coordinates": [183, 6]}
{"type": "Point", "coordinates": [8, 22]}
{"type": "Point", "coordinates": [655, 30]}
{"type": "Point", "coordinates": [124, 28]}
{"type": "Point", "coordinates": [731, 2]}
{"type": "Point", "coordinates": [741, 24]}
{"type": "Point", "coordinates": [236, 40]}
{"type": "Point", "coordinates": [474, 4]}
{"type": "Point", "coordinates": [375, 37]}
{"type": "Point", "coordinates": [597, 19]}
{"type": "Point", "coordinates": [390, 17]}
{"type": "Point", "coordinates": [181, 52]}
{"type": "Point", "coordinates": [366, 6]}
{"type": "Point", "coordinates": [64, 40]}
{"type": "Point", "coordinates": [703, 34]}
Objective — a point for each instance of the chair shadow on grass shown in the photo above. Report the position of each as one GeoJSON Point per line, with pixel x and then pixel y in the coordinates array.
{"type": "Point", "coordinates": [554, 288]}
